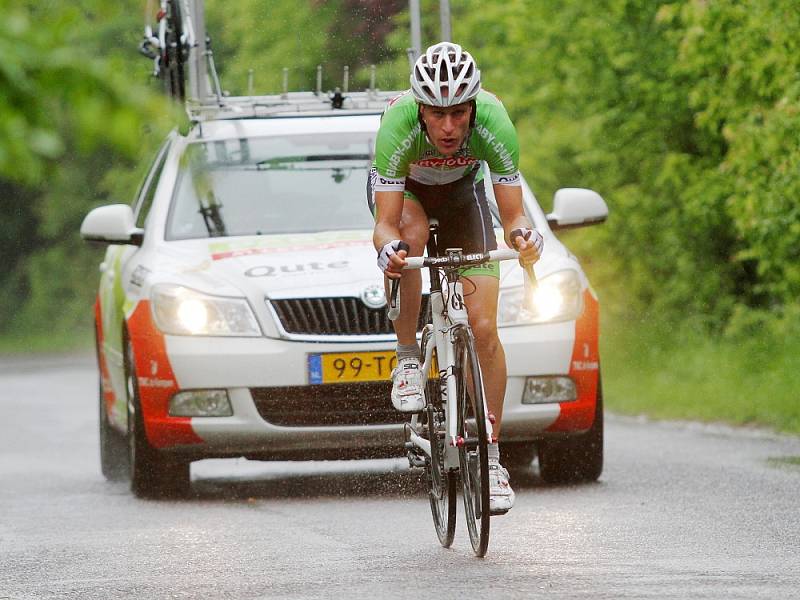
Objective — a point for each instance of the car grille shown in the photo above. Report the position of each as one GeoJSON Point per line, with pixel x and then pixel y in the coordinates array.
{"type": "Point", "coordinates": [327, 405]}
{"type": "Point", "coordinates": [338, 316]}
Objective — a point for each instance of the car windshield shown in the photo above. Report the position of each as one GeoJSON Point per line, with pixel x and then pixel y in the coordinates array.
{"type": "Point", "coordinates": [287, 184]}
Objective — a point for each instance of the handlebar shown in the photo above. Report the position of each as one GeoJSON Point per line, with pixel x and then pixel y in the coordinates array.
{"type": "Point", "coordinates": [453, 261]}
{"type": "Point", "coordinates": [459, 260]}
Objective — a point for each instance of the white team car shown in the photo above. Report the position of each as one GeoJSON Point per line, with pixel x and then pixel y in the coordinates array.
{"type": "Point", "coordinates": [240, 311]}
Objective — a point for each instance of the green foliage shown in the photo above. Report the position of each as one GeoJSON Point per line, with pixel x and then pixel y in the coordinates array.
{"type": "Point", "coordinates": [744, 61]}
{"type": "Point", "coordinates": [683, 114]}
{"type": "Point", "coordinates": [267, 36]}
{"type": "Point", "coordinates": [71, 129]}
{"type": "Point", "coordinates": [55, 93]}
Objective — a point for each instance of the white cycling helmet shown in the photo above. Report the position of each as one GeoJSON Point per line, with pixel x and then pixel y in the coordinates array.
{"type": "Point", "coordinates": [445, 75]}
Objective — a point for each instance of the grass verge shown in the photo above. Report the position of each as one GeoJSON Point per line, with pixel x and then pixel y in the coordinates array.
{"type": "Point", "coordinates": [40, 343]}
{"type": "Point", "coordinates": [666, 374]}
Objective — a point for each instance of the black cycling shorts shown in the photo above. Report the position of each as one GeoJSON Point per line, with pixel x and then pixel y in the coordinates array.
{"type": "Point", "coordinates": [461, 207]}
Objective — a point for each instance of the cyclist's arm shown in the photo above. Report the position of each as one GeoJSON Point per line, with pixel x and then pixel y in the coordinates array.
{"type": "Point", "coordinates": [388, 208]}
{"type": "Point", "coordinates": [512, 213]}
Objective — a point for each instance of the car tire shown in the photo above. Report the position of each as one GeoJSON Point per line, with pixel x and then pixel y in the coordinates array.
{"type": "Point", "coordinates": [577, 459]}
{"type": "Point", "coordinates": [113, 449]}
{"type": "Point", "coordinates": [517, 456]}
{"type": "Point", "coordinates": [153, 473]}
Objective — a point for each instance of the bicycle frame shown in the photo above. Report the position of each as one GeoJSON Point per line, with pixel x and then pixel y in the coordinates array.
{"type": "Point", "coordinates": [441, 338]}
{"type": "Point", "coordinates": [446, 319]}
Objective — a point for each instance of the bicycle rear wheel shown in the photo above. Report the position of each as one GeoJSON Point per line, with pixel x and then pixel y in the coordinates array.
{"type": "Point", "coordinates": [174, 55]}
{"type": "Point", "coordinates": [441, 481]}
{"type": "Point", "coordinates": [473, 455]}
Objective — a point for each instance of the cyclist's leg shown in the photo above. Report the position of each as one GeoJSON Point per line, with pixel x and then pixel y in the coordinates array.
{"type": "Point", "coordinates": [414, 231]}
{"type": "Point", "coordinates": [407, 393]}
{"type": "Point", "coordinates": [465, 222]}
{"type": "Point", "coordinates": [482, 308]}
{"type": "Point", "coordinates": [475, 233]}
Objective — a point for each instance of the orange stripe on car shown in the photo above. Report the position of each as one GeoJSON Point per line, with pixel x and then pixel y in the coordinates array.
{"type": "Point", "coordinates": [584, 368]}
{"type": "Point", "coordinates": [157, 382]}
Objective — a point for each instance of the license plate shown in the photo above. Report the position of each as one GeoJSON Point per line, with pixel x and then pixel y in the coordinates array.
{"type": "Point", "coordinates": [350, 367]}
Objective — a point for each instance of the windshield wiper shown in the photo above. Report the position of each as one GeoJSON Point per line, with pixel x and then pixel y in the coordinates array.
{"type": "Point", "coordinates": [284, 162]}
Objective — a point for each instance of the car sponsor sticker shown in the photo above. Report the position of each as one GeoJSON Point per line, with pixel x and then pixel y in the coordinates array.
{"type": "Point", "coordinates": [139, 274]}
{"type": "Point", "coordinates": [289, 243]}
{"type": "Point", "coordinates": [296, 269]}
{"type": "Point", "coordinates": [585, 365]}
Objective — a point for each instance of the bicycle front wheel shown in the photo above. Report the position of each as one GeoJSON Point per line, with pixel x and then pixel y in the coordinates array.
{"type": "Point", "coordinates": [441, 481]}
{"type": "Point", "coordinates": [473, 454]}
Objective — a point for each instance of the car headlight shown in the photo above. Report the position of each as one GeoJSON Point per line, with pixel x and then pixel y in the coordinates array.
{"type": "Point", "coordinates": [178, 310]}
{"type": "Point", "coordinates": [556, 297]}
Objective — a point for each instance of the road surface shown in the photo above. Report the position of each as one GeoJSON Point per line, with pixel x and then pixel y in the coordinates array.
{"type": "Point", "coordinates": [681, 511]}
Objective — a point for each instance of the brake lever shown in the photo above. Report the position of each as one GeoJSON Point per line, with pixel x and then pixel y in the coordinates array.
{"type": "Point", "coordinates": [394, 300]}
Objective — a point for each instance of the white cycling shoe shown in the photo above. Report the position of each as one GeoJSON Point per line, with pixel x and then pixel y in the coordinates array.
{"type": "Point", "coordinates": [407, 386]}
{"type": "Point", "coordinates": [501, 496]}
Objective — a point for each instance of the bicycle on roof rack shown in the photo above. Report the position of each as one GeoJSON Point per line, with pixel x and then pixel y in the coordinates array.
{"type": "Point", "coordinates": [168, 39]}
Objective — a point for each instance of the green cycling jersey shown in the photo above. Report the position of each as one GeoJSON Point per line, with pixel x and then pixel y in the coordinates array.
{"type": "Point", "coordinates": [403, 150]}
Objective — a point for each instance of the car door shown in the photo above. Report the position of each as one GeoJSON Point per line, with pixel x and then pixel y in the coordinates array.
{"type": "Point", "coordinates": [112, 295]}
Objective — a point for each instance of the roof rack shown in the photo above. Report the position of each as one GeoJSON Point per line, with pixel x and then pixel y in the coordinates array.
{"type": "Point", "coordinates": [190, 75]}
{"type": "Point", "coordinates": [243, 107]}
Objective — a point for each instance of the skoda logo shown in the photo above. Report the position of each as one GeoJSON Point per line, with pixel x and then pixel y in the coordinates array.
{"type": "Point", "coordinates": [373, 296]}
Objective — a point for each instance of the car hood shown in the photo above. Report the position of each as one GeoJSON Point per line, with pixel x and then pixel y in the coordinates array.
{"type": "Point", "coordinates": [275, 266]}
{"type": "Point", "coordinates": [321, 264]}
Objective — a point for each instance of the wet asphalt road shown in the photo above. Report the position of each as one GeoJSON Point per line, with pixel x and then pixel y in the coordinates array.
{"type": "Point", "coordinates": [681, 511]}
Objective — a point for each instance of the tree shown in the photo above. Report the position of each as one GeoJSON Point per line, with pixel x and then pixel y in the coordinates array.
{"type": "Point", "coordinates": [68, 116]}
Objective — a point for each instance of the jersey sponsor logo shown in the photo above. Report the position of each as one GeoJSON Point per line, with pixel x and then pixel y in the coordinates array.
{"type": "Point", "coordinates": [451, 162]}
{"type": "Point", "coordinates": [503, 153]}
{"type": "Point", "coordinates": [403, 147]}
{"type": "Point", "coordinates": [506, 179]}
{"type": "Point", "coordinates": [386, 181]}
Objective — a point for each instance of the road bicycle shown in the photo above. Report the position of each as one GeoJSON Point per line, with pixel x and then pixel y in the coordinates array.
{"type": "Point", "coordinates": [449, 438]}
{"type": "Point", "coordinates": [168, 38]}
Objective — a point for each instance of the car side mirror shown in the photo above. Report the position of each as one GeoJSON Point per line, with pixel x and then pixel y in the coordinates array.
{"type": "Point", "coordinates": [576, 207]}
{"type": "Point", "coordinates": [111, 224]}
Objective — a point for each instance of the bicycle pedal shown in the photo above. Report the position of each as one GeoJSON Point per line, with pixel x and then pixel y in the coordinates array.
{"type": "Point", "coordinates": [415, 460]}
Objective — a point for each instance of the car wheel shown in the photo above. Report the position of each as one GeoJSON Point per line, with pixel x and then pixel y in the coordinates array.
{"type": "Point", "coordinates": [113, 450]}
{"type": "Point", "coordinates": [153, 473]}
{"type": "Point", "coordinates": [577, 459]}
{"type": "Point", "coordinates": [517, 456]}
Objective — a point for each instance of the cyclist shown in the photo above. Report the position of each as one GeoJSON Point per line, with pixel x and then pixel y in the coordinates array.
{"type": "Point", "coordinates": [428, 153]}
